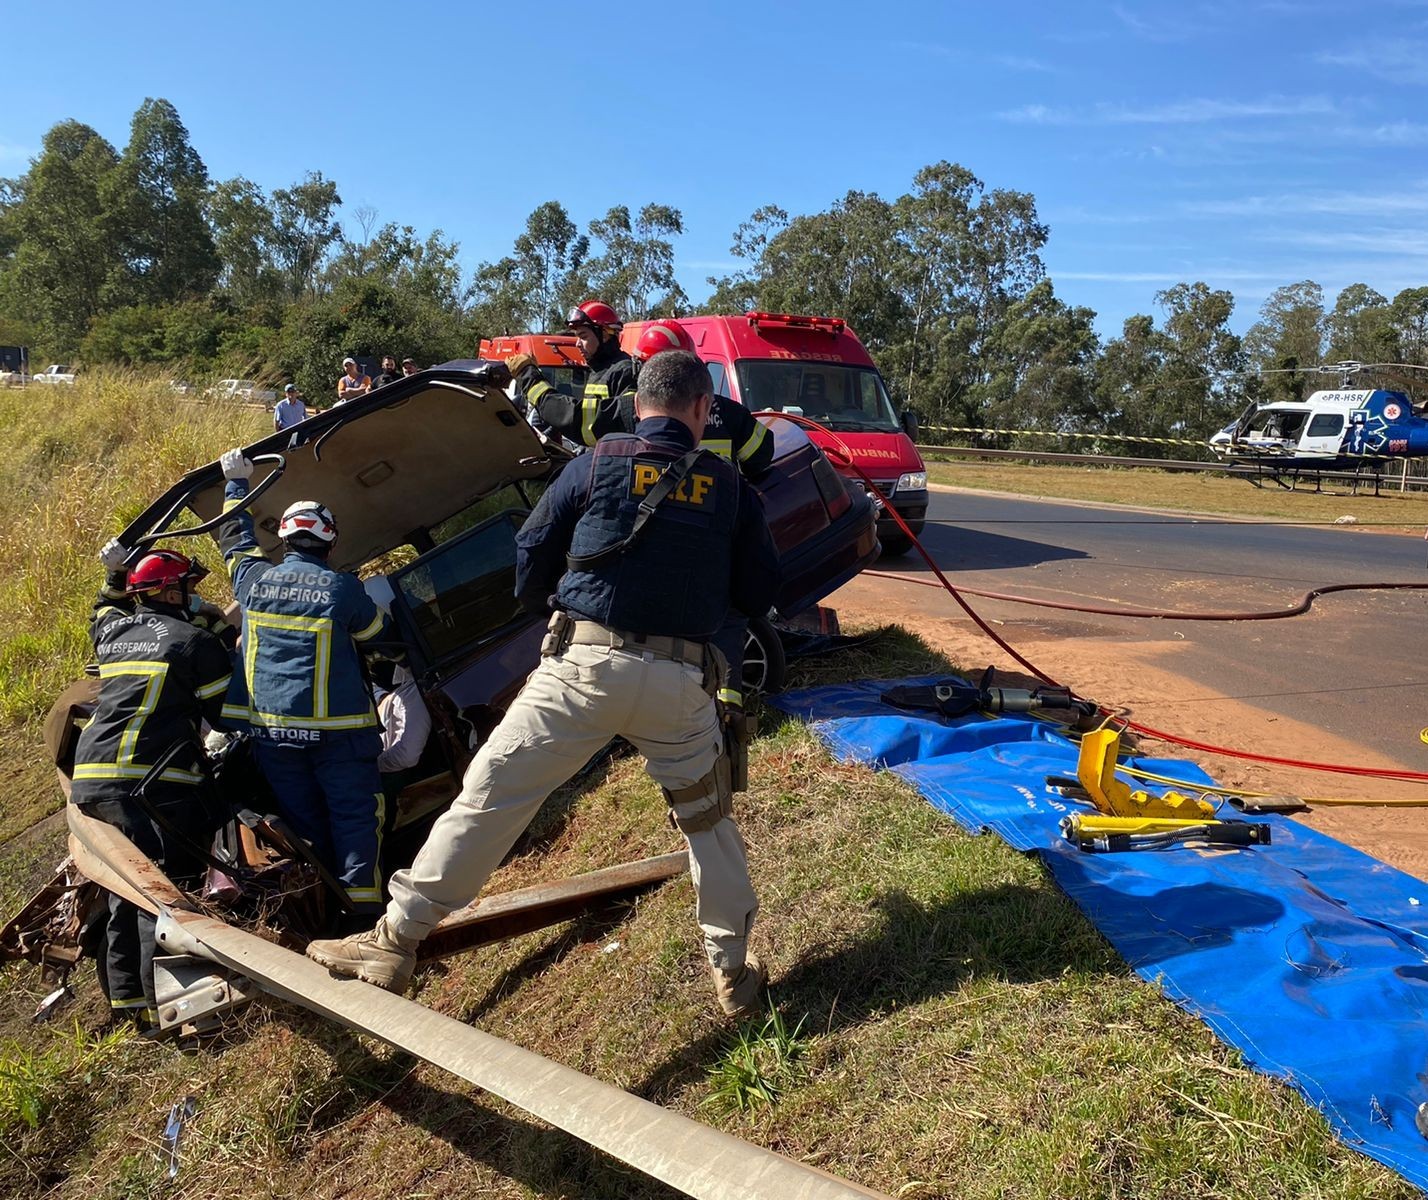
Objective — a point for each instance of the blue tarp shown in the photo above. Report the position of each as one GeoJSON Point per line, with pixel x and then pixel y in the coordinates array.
{"type": "Point", "coordinates": [1308, 956]}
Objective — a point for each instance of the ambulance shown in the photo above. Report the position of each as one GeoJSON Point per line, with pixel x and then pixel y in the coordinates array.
{"type": "Point", "coordinates": [815, 367]}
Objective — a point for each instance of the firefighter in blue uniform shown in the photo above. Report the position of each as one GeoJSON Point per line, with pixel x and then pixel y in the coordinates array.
{"type": "Point", "coordinates": [309, 704]}
{"type": "Point", "coordinates": [160, 676]}
{"type": "Point", "coordinates": [639, 549]}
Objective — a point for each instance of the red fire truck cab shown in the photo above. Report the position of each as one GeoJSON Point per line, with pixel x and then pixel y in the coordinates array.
{"type": "Point", "coordinates": [815, 367]}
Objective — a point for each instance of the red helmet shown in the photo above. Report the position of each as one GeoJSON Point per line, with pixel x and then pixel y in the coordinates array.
{"type": "Point", "coordinates": [666, 334]}
{"type": "Point", "coordinates": [164, 569]}
{"type": "Point", "coordinates": [594, 312]}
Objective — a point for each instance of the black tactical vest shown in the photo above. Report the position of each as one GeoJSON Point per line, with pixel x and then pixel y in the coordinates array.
{"type": "Point", "coordinates": [674, 580]}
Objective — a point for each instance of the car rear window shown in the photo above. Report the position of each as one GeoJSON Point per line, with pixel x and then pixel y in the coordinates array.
{"type": "Point", "coordinates": [461, 593]}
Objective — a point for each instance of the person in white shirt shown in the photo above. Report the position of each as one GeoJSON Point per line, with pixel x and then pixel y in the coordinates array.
{"type": "Point", "coordinates": [290, 410]}
{"type": "Point", "coordinates": [406, 724]}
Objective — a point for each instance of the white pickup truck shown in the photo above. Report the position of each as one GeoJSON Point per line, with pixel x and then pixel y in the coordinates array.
{"type": "Point", "coordinates": [242, 389]}
{"type": "Point", "coordinates": [54, 373]}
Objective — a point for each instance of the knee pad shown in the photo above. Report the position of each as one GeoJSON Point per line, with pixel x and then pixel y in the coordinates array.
{"type": "Point", "coordinates": [715, 788]}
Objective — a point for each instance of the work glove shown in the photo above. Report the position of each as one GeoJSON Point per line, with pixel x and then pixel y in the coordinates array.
{"type": "Point", "coordinates": [519, 362]}
{"type": "Point", "coordinates": [235, 466]}
{"type": "Point", "coordinates": [493, 375]}
{"type": "Point", "coordinates": [113, 555]}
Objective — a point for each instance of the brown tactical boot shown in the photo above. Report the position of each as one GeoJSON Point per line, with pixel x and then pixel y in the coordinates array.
{"type": "Point", "coordinates": [378, 956]}
{"type": "Point", "coordinates": [738, 991]}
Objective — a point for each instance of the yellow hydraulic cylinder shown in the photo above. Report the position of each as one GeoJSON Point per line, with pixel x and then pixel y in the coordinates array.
{"type": "Point", "coordinates": [1096, 771]}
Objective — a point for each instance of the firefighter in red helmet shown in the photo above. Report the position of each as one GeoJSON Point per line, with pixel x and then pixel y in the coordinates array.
{"type": "Point", "coordinates": [609, 388]}
{"type": "Point", "coordinates": [160, 677]}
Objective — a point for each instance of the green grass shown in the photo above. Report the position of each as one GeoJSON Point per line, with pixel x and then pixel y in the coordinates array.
{"type": "Point", "coordinates": [37, 1077]}
{"type": "Point", "coordinates": [944, 1022]}
{"type": "Point", "coordinates": [1144, 487]}
{"type": "Point", "coordinates": [760, 1064]}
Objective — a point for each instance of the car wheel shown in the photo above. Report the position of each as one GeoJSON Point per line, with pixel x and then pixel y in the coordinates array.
{"type": "Point", "coordinates": [894, 544]}
{"type": "Point", "coordinates": [765, 666]}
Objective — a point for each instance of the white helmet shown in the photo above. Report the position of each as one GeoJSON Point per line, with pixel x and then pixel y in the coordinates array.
{"type": "Point", "coordinates": [308, 519]}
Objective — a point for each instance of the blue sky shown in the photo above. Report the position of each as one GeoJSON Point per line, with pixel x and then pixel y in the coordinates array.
{"type": "Point", "coordinates": [1248, 144]}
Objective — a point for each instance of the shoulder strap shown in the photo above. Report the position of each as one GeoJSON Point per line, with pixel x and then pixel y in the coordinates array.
{"type": "Point", "coordinates": [670, 478]}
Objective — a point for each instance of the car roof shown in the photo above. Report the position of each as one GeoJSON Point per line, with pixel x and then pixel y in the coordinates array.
{"type": "Point", "coordinates": [388, 465]}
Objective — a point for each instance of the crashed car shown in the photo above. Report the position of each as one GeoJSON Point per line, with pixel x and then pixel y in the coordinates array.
{"type": "Point", "coordinates": [431, 478]}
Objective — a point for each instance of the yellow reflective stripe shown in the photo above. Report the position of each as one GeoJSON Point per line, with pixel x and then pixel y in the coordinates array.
{"type": "Point", "coordinates": [132, 771]}
{"type": "Point", "coordinates": [536, 391]}
{"type": "Point", "coordinates": [155, 673]}
{"type": "Point", "coordinates": [237, 712]}
{"type": "Point", "coordinates": [730, 696]}
{"type": "Point", "coordinates": [128, 1005]}
{"type": "Point", "coordinates": [723, 447]}
{"type": "Point", "coordinates": [756, 439]}
{"type": "Point", "coordinates": [363, 634]}
{"type": "Point", "coordinates": [321, 627]}
{"type": "Point", "coordinates": [217, 687]}
{"type": "Point", "coordinates": [363, 894]}
{"type": "Point", "coordinates": [105, 610]}
{"type": "Point", "coordinates": [288, 721]}
{"type": "Point", "coordinates": [590, 409]}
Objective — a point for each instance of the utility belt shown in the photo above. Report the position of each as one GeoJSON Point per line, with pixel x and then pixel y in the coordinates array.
{"type": "Point", "coordinates": [565, 630]}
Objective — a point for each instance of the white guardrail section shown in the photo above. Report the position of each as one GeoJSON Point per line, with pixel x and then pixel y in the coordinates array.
{"type": "Point", "coordinates": [698, 1160]}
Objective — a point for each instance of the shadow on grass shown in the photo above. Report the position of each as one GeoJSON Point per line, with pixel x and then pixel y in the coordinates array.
{"type": "Point", "coordinates": [911, 953]}
{"type": "Point", "coordinates": [547, 1161]}
{"type": "Point", "coordinates": [593, 926]}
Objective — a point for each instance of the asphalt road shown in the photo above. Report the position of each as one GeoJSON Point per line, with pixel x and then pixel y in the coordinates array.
{"type": "Point", "coordinates": [1353, 665]}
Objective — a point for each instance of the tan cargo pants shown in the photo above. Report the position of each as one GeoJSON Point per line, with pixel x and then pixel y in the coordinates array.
{"type": "Point", "coordinates": [570, 707]}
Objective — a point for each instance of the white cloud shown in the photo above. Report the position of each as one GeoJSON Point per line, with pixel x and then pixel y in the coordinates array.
{"type": "Point", "coordinates": [1017, 62]}
{"type": "Point", "coordinates": [1401, 243]}
{"type": "Point", "coordinates": [1401, 60]}
{"type": "Point", "coordinates": [1185, 112]}
{"type": "Point", "coordinates": [1344, 204]}
{"type": "Point", "coordinates": [1395, 133]}
{"type": "Point", "coordinates": [1213, 276]}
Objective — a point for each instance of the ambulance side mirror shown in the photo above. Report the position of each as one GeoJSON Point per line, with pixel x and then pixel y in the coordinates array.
{"type": "Point", "coordinates": [911, 424]}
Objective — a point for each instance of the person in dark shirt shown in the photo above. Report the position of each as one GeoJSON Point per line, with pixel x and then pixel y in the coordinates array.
{"type": "Point", "coordinates": [160, 677]}
{"type": "Point", "coordinates": [638, 550]}
{"type": "Point", "coordinates": [389, 374]}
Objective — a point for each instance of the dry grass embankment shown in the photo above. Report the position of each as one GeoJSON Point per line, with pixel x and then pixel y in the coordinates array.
{"type": "Point", "coordinates": [1147, 488]}
{"type": "Point", "coordinates": [76, 465]}
{"type": "Point", "coordinates": [949, 1025]}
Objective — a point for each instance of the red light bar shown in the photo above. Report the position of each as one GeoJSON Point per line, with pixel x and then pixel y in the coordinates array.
{"type": "Point", "coordinates": [793, 321]}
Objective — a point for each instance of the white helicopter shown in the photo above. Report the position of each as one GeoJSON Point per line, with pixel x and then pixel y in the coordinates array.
{"type": "Point", "coordinates": [1343, 428]}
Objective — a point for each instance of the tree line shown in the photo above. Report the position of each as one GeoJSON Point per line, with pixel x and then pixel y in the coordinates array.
{"type": "Point", "coordinates": [138, 257]}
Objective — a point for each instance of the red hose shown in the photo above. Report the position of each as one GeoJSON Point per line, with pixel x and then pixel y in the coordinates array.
{"type": "Point", "coordinates": [844, 454]}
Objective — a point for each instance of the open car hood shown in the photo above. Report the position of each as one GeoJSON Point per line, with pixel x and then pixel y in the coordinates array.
{"type": "Point", "coordinates": [388, 465]}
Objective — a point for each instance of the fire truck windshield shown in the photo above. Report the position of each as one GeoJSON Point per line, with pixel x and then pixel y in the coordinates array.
{"type": "Point", "coordinates": [835, 395]}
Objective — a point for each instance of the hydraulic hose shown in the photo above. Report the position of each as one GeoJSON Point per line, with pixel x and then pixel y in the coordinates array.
{"type": "Point", "coordinates": [1156, 614]}
{"type": "Point", "coordinates": [843, 456]}
{"type": "Point", "coordinates": [160, 529]}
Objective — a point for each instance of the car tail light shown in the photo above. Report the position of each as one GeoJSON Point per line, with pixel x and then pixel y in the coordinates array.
{"type": "Point", "coordinates": [831, 487]}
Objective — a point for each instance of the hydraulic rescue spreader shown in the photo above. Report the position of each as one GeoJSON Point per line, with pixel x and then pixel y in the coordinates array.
{"type": "Point", "coordinates": [1136, 820]}
{"type": "Point", "coordinates": [1124, 819]}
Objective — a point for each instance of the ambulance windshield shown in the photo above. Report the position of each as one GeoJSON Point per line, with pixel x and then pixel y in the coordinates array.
{"type": "Point", "coordinates": [841, 397]}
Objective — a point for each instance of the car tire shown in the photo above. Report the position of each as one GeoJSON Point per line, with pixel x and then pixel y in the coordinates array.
{"type": "Point", "coordinates": [765, 664]}
{"type": "Point", "coordinates": [894, 544]}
